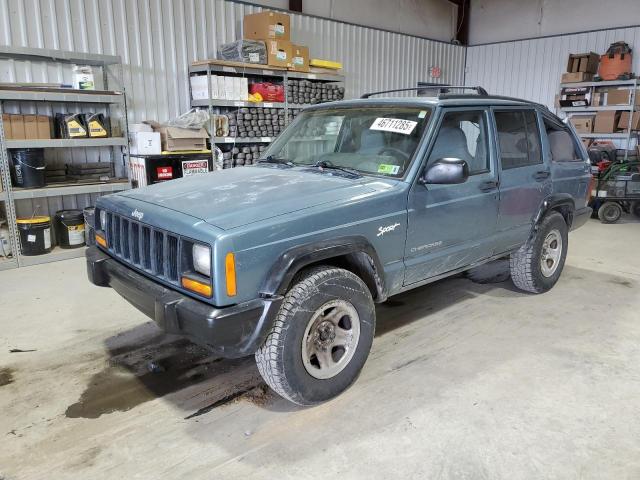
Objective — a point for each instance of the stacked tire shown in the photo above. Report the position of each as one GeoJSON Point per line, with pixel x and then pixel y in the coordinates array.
{"type": "Point", "coordinates": [307, 92]}
{"type": "Point", "coordinates": [251, 122]}
{"type": "Point", "coordinates": [240, 156]}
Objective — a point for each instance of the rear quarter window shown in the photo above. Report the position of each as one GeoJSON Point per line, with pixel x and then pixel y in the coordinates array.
{"type": "Point", "coordinates": [518, 138]}
{"type": "Point", "coordinates": [562, 143]}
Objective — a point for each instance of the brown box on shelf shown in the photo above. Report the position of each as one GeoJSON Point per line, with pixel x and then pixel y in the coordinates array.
{"type": "Point", "coordinates": [30, 127]}
{"type": "Point", "coordinates": [266, 25]}
{"type": "Point", "coordinates": [586, 142]}
{"type": "Point", "coordinates": [606, 121]}
{"type": "Point", "coordinates": [596, 99]}
{"type": "Point", "coordinates": [623, 123]}
{"type": "Point", "coordinates": [44, 126]}
{"type": "Point", "coordinates": [575, 77]}
{"type": "Point", "coordinates": [278, 53]}
{"type": "Point", "coordinates": [17, 127]}
{"type": "Point", "coordinates": [621, 96]}
{"type": "Point", "coordinates": [583, 62]}
{"type": "Point", "coordinates": [6, 123]}
{"type": "Point", "coordinates": [175, 139]}
{"type": "Point", "coordinates": [299, 58]}
{"type": "Point", "coordinates": [582, 123]}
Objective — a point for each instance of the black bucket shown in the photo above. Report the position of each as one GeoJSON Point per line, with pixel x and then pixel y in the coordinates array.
{"type": "Point", "coordinates": [27, 167]}
{"type": "Point", "coordinates": [89, 219]}
{"type": "Point", "coordinates": [35, 235]}
{"type": "Point", "coordinates": [69, 227]}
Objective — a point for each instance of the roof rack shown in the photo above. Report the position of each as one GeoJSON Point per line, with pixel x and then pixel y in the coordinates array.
{"type": "Point", "coordinates": [443, 89]}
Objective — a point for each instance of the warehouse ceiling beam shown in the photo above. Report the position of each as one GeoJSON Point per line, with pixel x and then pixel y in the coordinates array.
{"type": "Point", "coordinates": [295, 5]}
{"type": "Point", "coordinates": [462, 21]}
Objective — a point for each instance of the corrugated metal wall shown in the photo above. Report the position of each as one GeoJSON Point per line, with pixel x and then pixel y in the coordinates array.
{"type": "Point", "coordinates": [532, 69]}
{"type": "Point", "coordinates": [158, 39]}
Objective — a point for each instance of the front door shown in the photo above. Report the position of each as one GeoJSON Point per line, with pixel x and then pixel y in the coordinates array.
{"type": "Point", "coordinates": [451, 226]}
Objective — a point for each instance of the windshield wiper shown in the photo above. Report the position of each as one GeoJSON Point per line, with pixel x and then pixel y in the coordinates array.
{"type": "Point", "coordinates": [272, 159]}
{"type": "Point", "coordinates": [330, 166]}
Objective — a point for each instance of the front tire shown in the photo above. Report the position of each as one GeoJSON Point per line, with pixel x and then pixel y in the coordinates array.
{"type": "Point", "coordinates": [537, 265]}
{"type": "Point", "coordinates": [321, 337]}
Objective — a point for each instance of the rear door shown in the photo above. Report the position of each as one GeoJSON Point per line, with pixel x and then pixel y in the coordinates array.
{"type": "Point", "coordinates": [525, 174]}
{"type": "Point", "coordinates": [451, 226]}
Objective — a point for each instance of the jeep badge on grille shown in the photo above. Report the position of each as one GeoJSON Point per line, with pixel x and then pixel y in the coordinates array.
{"type": "Point", "coordinates": [137, 214]}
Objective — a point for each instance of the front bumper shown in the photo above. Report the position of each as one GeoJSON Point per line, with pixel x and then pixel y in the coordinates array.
{"type": "Point", "coordinates": [580, 217]}
{"type": "Point", "coordinates": [230, 332]}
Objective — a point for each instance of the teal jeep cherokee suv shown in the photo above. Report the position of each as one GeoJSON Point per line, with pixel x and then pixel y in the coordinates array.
{"type": "Point", "coordinates": [354, 202]}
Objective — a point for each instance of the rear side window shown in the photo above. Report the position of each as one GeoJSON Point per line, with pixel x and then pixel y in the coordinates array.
{"type": "Point", "coordinates": [518, 138]}
{"type": "Point", "coordinates": [561, 143]}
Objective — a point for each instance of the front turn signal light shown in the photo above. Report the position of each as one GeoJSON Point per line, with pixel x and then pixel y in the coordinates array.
{"type": "Point", "coordinates": [196, 286]}
{"type": "Point", "coordinates": [230, 270]}
{"type": "Point", "coordinates": [100, 240]}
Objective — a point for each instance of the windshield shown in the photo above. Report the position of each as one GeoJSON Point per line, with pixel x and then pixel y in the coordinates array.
{"type": "Point", "coordinates": [371, 140]}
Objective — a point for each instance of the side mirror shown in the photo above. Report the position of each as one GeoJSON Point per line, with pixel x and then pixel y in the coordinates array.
{"type": "Point", "coordinates": [446, 171]}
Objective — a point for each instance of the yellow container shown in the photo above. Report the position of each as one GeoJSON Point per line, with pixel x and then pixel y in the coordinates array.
{"type": "Point", "coordinates": [316, 62]}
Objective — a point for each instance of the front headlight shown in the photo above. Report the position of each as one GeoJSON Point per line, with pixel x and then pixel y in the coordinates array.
{"type": "Point", "coordinates": [202, 259]}
{"type": "Point", "coordinates": [103, 220]}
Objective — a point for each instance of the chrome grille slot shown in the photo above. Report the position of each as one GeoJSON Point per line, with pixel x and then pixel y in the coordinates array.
{"type": "Point", "coordinates": [145, 251]}
{"type": "Point", "coordinates": [153, 250]}
{"type": "Point", "coordinates": [172, 258]}
{"type": "Point", "coordinates": [158, 254]}
{"type": "Point", "coordinates": [135, 243]}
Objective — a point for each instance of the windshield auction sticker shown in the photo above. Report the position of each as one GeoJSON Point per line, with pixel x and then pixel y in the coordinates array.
{"type": "Point", "coordinates": [388, 169]}
{"type": "Point", "coordinates": [396, 125]}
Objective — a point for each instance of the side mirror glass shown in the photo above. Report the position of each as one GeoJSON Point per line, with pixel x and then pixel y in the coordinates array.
{"type": "Point", "coordinates": [445, 171]}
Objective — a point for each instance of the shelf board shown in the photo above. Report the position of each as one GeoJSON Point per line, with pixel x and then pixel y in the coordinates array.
{"type": "Point", "coordinates": [55, 255]}
{"type": "Point", "coordinates": [235, 103]}
{"type": "Point", "coordinates": [8, 263]}
{"type": "Point", "coordinates": [67, 142]}
{"type": "Point", "coordinates": [72, 96]}
{"type": "Point", "coordinates": [604, 83]}
{"type": "Point", "coordinates": [622, 136]}
{"type": "Point", "coordinates": [237, 68]}
{"type": "Point", "coordinates": [73, 189]}
{"type": "Point", "coordinates": [42, 54]}
{"type": "Point", "coordinates": [603, 108]}
{"type": "Point", "coordinates": [242, 139]}
{"type": "Point", "coordinates": [325, 77]}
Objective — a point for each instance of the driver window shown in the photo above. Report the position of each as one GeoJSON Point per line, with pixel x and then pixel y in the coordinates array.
{"type": "Point", "coordinates": [463, 135]}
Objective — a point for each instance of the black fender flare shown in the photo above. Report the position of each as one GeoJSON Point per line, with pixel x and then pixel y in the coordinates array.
{"type": "Point", "coordinates": [293, 260]}
{"type": "Point", "coordinates": [558, 201]}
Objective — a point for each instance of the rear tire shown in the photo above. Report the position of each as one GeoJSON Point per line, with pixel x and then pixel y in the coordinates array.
{"type": "Point", "coordinates": [537, 265]}
{"type": "Point", "coordinates": [610, 212]}
{"type": "Point", "coordinates": [321, 337]}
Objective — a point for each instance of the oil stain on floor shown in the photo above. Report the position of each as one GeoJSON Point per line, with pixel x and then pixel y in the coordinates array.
{"type": "Point", "coordinates": [6, 376]}
{"type": "Point", "coordinates": [142, 375]}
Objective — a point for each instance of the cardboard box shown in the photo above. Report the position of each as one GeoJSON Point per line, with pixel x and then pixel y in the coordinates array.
{"type": "Point", "coordinates": [586, 142]}
{"type": "Point", "coordinates": [278, 53]}
{"type": "Point", "coordinates": [244, 89]}
{"type": "Point", "coordinates": [621, 97]}
{"type": "Point", "coordinates": [145, 143]}
{"type": "Point", "coordinates": [176, 139]}
{"type": "Point", "coordinates": [299, 58]}
{"type": "Point", "coordinates": [583, 62]}
{"type": "Point", "coordinates": [17, 127]}
{"type": "Point", "coordinates": [582, 123]}
{"type": "Point", "coordinates": [228, 88]}
{"type": "Point", "coordinates": [623, 123]}
{"type": "Point", "coordinates": [606, 122]}
{"type": "Point", "coordinates": [44, 126]}
{"type": "Point", "coordinates": [6, 123]}
{"type": "Point", "coordinates": [597, 99]}
{"type": "Point", "coordinates": [199, 89]}
{"type": "Point", "coordinates": [30, 127]}
{"type": "Point", "coordinates": [267, 25]}
{"type": "Point", "coordinates": [573, 77]}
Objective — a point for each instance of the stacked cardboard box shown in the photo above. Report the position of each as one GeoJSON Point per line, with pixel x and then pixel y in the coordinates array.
{"type": "Point", "coordinates": [26, 127]}
{"type": "Point", "coordinates": [581, 67]}
{"type": "Point", "coordinates": [222, 87]}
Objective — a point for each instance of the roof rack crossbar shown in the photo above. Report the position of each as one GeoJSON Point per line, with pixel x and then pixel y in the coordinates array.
{"type": "Point", "coordinates": [443, 89]}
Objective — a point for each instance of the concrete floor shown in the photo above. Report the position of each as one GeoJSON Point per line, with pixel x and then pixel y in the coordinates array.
{"type": "Point", "coordinates": [464, 380]}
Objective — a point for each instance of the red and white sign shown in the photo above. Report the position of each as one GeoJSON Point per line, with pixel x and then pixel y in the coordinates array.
{"type": "Point", "coordinates": [194, 167]}
{"type": "Point", "coordinates": [435, 72]}
{"type": "Point", "coordinates": [164, 173]}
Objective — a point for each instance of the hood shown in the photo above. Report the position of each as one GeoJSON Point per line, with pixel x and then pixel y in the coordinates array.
{"type": "Point", "coordinates": [240, 196]}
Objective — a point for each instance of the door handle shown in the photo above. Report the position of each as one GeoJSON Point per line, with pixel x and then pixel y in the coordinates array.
{"type": "Point", "coordinates": [541, 175]}
{"type": "Point", "coordinates": [488, 185]}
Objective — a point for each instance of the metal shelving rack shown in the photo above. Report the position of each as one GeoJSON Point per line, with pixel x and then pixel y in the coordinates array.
{"type": "Point", "coordinates": [106, 99]}
{"type": "Point", "coordinates": [628, 135]}
{"type": "Point", "coordinates": [232, 68]}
